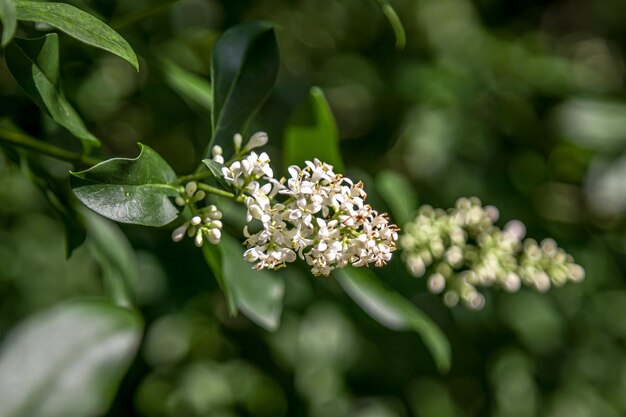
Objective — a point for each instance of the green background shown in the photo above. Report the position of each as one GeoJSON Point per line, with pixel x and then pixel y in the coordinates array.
{"type": "Point", "coordinates": [518, 103]}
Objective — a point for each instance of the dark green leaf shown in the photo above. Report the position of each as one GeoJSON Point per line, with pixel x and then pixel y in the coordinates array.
{"type": "Point", "coordinates": [397, 191]}
{"type": "Point", "coordinates": [257, 294]}
{"type": "Point", "coordinates": [394, 311]}
{"type": "Point", "coordinates": [8, 20]}
{"type": "Point", "coordinates": [78, 24]}
{"type": "Point", "coordinates": [312, 133]}
{"type": "Point", "coordinates": [34, 64]}
{"type": "Point", "coordinates": [116, 258]}
{"type": "Point", "coordinates": [195, 90]}
{"type": "Point", "coordinates": [215, 260]}
{"type": "Point", "coordinates": [130, 190]}
{"type": "Point", "coordinates": [244, 68]}
{"type": "Point", "coordinates": [67, 361]}
{"type": "Point", "coordinates": [216, 170]}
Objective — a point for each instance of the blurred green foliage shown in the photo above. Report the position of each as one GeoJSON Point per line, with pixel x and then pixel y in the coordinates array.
{"type": "Point", "coordinates": [521, 104]}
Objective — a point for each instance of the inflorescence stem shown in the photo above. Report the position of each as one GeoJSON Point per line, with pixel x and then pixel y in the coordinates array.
{"type": "Point", "coordinates": [216, 191]}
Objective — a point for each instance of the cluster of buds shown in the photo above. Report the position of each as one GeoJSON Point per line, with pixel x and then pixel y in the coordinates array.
{"type": "Point", "coordinates": [205, 224]}
{"type": "Point", "coordinates": [316, 214]}
{"type": "Point", "coordinates": [463, 250]}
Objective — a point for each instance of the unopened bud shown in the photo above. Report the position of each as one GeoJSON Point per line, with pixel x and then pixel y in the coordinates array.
{"type": "Point", "coordinates": [191, 188]}
{"type": "Point", "coordinates": [256, 141]}
{"type": "Point", "coordinates": [179, 233]}
{"type": "Point", "coordinates": [237, 139]}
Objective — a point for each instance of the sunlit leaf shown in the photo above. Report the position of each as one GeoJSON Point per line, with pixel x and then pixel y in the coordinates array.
{"type": "Point", "coordinates": [130, 190]}
{"type": "Point", "coordinates": [312, 133]}
{"type": "Point", "coordinates": [257, 294]}
{"type": "Point", "coordinates": [394, 311]}
{"type": "Point", "coordinates": [8, 20]}
{"type": "Point", "coordinates": [244, 68]}
{"type": "Point", "coordinates": [195, 90]}
{"type": "Point", "coordinates": [78, 24]}
{"type": "Point", "coordinates": [34, 63]}
{"type": "Point", "coordinates": [398, 193]}
{"type": "Point", "coordinates": [67, 361]}
{"type": "Point", "coordinates": [115, 256]}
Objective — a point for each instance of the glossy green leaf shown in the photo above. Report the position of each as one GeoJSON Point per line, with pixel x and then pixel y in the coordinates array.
{"type": "Point", "coordinates": [244, 68]}
{"type": "Point", "coordinates": [398, 193]}
{"type": "Point", "coordinates": [78, 24]}
{"type": "Point", "coordinates": [34, 63]}
{"type": "Point", "coordinates": [8, 21]}
{"type": "Point", "coordinates": [195, 90]}
{"type": "Point", "coordinates": [67, 361]}
{"type": "Point", "coordinates": [257, 294]}
{"type": "Point", "coordinates": [312, 133]}
{"type": "Point", "coordinates": [394, 311]}
{"type": "Point", "coordinates": [130, 190]}
{"type": "Point", "coordinates": [116, 257]}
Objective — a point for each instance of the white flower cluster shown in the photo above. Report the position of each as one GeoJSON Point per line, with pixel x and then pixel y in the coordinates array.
{"type": "Point", "coordinates": [205, 223]}
{"type": "Point", "coordinates": [316, 215]}
{"type": "Point", "coordinates": [465, 250]}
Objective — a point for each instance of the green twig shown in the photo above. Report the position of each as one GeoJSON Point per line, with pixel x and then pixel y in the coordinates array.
{"type": "Point", "coordinates": [22, 140]}
{"type": "Point", "coordinates": [195, 177]}
{"type": "Point", "coordinates": [217, 191]}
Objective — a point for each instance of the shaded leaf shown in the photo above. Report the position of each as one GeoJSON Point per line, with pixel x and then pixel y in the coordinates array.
{"type": "Point", "coordinates": [8, 20]}
{"type": "Point", "coordinates": [34, 63]}
{"type": "Point", "coordinates": [67, 361]}
{"type": "Point", "coordinates": [215, 260]}
{"type": "Point", "coordinates": [78, 24]}
{"type": "Point", "coordinates": [195, 90]}
{"type": "Point", "coordinates": [130, 190]}
{"type": "Point", "coordinates": [216, 170]}
{"type": "Point", "coordinates": [257, 294]}
{"type": "Point", "coordinates": [394, 311]}
{"type": "Point", "coordinates": [116, 257]}
{"type": "Point", "coordinates": [398, 193]}
{"type": "Point", "coordinates": [244, 68]}
{"type": "Point", "coordinates": [312, 133]}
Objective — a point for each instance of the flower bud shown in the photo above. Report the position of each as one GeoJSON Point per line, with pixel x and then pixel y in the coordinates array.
{"type": "Point", "coordinates": [191, 188]}
{"type": "Point", "coordinates": [237, 139]}
{"type": "Point", "coordinates": [214, 235]}
{"type": "Point", "coordinates": [179, 233]}
{"type": "Point", "coordinates": [198, 240]}
{"type": "Point", "coordinates": [199, 196]}
{"type": "Point", "coordinates": [217, 150]}
{"type": "Point", "coordinates": [256, 141]}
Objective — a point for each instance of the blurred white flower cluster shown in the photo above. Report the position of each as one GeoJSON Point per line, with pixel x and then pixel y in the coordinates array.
{"type": "Point", "coordinates": [315, 214]}
{"type": "Point", "coordinates": [463, 250]}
